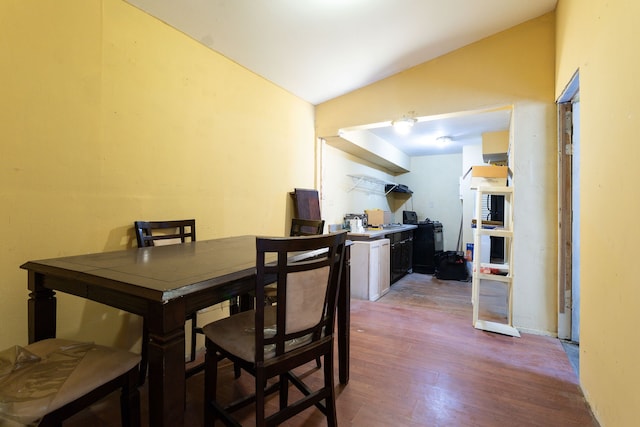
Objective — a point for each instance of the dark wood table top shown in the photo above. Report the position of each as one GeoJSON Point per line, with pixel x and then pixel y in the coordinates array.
{"type": "Point", "coordinates": [159, 273]}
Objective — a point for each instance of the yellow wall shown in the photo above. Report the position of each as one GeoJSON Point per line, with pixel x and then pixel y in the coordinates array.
{"type": "Point", "coordinates": [514, 67]}
{"type": "Point", "coordinates": [511, 66]}
{"type": "Point", "coordinates": [600, 38]}
{"type": "Point", "coordinates": [107, 115]}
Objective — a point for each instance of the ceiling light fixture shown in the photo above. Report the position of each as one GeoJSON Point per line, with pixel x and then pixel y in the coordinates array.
{"type": "Point", "coordinates": [443, 141]}
{"type": "Point", "coordinates": [403, 125]}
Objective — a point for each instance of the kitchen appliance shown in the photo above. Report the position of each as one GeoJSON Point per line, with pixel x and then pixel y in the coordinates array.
{"type": "Point", "coordinates": [409, 217]}
{"type": "Point", "coordinates": [427, 242]}
{"type": "Point", "coordinates": [397, 188]}
{"type": "Point", "coordinates": [496, 211]}
{"type": "Point", "coordinates": [362, 217]}
{"type": "Point", "coordinates": [355, 225]}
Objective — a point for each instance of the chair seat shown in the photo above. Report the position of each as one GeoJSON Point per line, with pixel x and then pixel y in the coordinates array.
{"type": "Point", "coordinates": [66, 371]}
{"type": "Point", "coordinates": [225, 334]}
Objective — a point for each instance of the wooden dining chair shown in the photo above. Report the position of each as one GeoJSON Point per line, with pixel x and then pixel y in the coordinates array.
{"type": "Point", "coordinates": [46, 382]}
{"type": "Point", "coordinates": [158, 233]}
{"type": "Point", "coordinates": [299, 227]}
{"type": "Point", "coordinates": [270, 341]}
{"type": "Point", "coordinates": [155, 233]}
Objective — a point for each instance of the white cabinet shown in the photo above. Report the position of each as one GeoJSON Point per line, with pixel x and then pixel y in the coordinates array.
{"type": "Point", "coordinates": [370, 269]}
{"type": "Point", "coordinates": [485, 269]}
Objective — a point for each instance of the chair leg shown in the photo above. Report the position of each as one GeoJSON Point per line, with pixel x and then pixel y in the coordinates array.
{"type": "Point", "coordinates": [194, 334]}
{"type": "Point", "coordinates": [283, 389]}
{"type": "Point", "coordinates": [210, 384]}
{"type": "Point", "coordinates": [318, 361]}
{"type": "Point", "coordinates": [261, 380]}
{"type": "Point", "coordinates": [144, 353]}
{"type": "Point", "coordinates": [130, 400]}
{"type": "Point", "coordinates": [245, 302]}
{"type": "Point", "coordinates": [234, 306]}
{"type": "Point", "coordinates": [330, 401]}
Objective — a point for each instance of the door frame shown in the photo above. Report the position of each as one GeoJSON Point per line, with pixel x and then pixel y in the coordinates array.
{"type": "Point", "coordinates": [565, 205]}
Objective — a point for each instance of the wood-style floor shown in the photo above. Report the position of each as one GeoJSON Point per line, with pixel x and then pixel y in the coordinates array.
{"type": "Point", "coordinates": [416, 360]}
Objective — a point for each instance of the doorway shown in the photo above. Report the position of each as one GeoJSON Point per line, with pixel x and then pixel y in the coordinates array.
{"type": "Point", "coordinates": [569, 215]}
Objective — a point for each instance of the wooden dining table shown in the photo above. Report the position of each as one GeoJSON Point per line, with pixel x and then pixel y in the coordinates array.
{"type": "Point", "coordinates": [165, 285]}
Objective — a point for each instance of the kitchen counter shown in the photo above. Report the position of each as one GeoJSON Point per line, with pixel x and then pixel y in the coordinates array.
{"type": "Point", "coordinates": [400, 256]}
{"type": "Point", "coordinates": [372, 234]}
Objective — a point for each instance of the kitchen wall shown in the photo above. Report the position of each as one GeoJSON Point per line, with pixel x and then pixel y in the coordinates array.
{"type": "Point", "coordinates": [434, 181]}
{"type": "Point", "coordinates": [343, 192]}
{"type": "Point", "coordinates": [512, 68]}
{"type": "Point", "coordinates": [108, 115]}
{"type": "Point", "coordinates": [600, 39]}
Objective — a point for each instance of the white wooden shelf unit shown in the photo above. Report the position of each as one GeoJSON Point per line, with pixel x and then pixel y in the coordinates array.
{"type": "Point", "coordinates": [499, 272]}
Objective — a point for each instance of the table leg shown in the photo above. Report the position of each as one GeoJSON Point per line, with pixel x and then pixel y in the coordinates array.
{"type": "Point", "coordinates": [167, 365]}
{"type": "Point", "coordinates": [41, 309]}
{"type": "Point", "coordinates": [344, 319]}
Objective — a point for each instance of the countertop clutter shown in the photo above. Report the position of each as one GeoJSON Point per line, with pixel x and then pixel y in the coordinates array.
{"type": "Point", "coordinates": [380, 232]}
{"type": "Point", "coordinates": [374, 224]}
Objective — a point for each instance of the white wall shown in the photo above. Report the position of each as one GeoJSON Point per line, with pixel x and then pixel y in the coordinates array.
{"type": "Point", "coordinates": [471, 156]}
{"type": "Point", "coordinates": [534, 164]}
{"type": "Point", "coordinates": [434, 181]}
{"type": "Point", "coordinates": [341, 194]}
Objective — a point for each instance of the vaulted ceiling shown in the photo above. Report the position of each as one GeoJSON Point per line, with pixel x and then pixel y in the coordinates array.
{"type": "Point", "coordinates": [321, 49]}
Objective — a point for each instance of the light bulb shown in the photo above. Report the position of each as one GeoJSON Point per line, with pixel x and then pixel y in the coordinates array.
{"type": "Point", "coordinates": [403, 126]}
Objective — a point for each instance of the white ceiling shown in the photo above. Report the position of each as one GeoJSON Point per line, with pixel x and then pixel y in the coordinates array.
{"type": "Point", "coordinates": [321, 49]}
{"type": "Point", "coordinates": [461, 128]}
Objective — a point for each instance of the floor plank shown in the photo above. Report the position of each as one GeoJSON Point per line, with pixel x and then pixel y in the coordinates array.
{"type": "Point", "coordinates": [416, 360]}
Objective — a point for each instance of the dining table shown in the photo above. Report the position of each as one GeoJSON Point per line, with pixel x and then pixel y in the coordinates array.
{"type": "Point", "coordinates": [164, 285]}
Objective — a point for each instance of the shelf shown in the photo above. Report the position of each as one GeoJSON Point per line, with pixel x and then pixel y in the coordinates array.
{"type": "Point", "coordinates": [499, 328]}
{"type": "Point", "coordinates": [495, 232]}
{"type": "Point", "coordinates": [375, 185]}
{"type": "Point", "coordinates": [497, 266]}
{"type": "Point", "coordinates": [504, 230]}
{"type": "Point", "coordinates": [494, 277]}
{"type": "Point", "coordinates": [496, 190]}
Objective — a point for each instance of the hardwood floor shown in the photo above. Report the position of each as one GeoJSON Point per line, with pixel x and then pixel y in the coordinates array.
{"type": "Point", "coordinates": [416, 360]}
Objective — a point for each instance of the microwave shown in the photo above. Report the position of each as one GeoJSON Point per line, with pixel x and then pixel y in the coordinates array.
{"type": "Point", "coordinates": [409, 217]}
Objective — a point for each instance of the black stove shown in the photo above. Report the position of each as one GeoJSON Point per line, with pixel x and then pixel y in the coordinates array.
{"type": "Point", "coordinates": [427, 242]}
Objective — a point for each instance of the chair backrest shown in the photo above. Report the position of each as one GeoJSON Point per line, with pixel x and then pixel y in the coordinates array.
{"type": "Point", "coordinates": [307, 272]}
{"type": "Point", "coordinates": [155, 233]}
{"type": "Point", "coordinates": [306, 227]}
